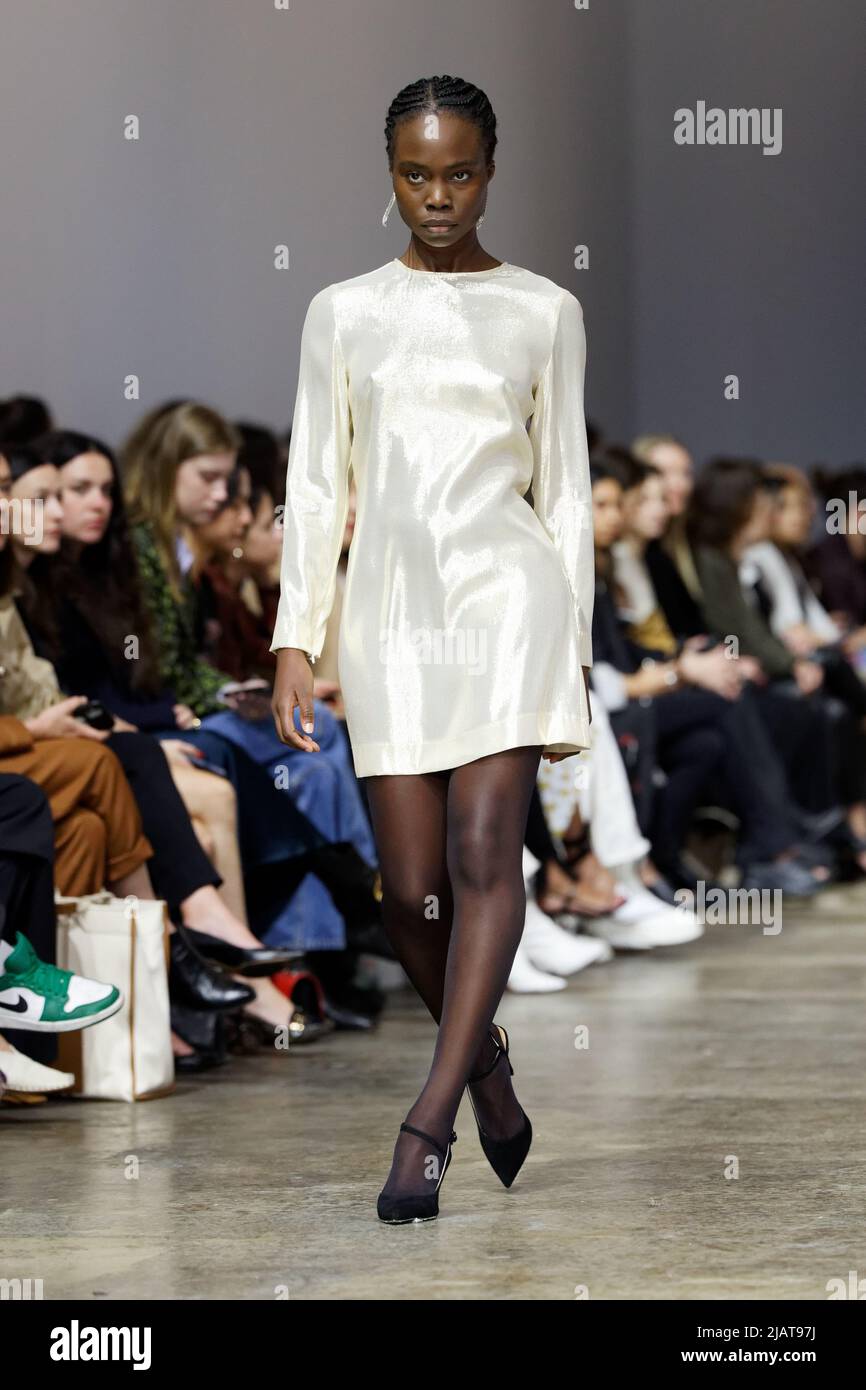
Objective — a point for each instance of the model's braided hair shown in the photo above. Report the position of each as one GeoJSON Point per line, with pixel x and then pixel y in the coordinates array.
{"type": "Point", "coordinates": [433, 94]}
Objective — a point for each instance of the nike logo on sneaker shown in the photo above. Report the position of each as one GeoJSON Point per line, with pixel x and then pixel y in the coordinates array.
{"type": "Point", "coordinates": [19, 1008]}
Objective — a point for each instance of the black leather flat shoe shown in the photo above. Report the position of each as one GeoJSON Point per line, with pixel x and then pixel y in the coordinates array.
{"type": "Point", "coordinates": [193, 1062]}
{"type": "Point", "coordinates": [344, 1017]}
{"type": "Point", "coordinates": [203, 1030]}
{"type": "Point", "coordinates": [399, 1210]}
{"type": "Point", "coordinates": [505, 1156]}
{"type": "Point", "coordinates": [249, 1034]}
{"type": "Point", "coordinates": [193, 982]}
{"type": "Point", "coordinates": [252, 961]}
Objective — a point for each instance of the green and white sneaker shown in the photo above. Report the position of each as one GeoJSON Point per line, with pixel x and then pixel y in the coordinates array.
{"type": "Point", "coordinates": [40, 998]}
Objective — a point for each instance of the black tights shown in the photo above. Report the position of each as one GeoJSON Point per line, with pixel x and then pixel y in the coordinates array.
{"type": "Point", "coordinates": [450, 848]}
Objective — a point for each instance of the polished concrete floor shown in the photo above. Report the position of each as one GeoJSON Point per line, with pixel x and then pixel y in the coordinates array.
{"type": "Point", "coordinates": [260, 1178]}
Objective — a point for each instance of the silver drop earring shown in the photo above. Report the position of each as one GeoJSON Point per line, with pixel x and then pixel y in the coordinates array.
{"type": "Point", "coordinates": [388, 209]}
{"type": "Point", "coordinates": [481, 219]}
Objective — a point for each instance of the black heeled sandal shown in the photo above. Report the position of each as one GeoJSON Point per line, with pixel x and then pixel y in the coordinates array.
{"type": "Point", "coordinates": [398, 1210]}
{"type": "Point", "coordinates": [505, 1156]}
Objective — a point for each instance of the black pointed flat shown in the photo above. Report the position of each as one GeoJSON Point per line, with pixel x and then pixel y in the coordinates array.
{"type": "Point", "coordinates": [252, 961]}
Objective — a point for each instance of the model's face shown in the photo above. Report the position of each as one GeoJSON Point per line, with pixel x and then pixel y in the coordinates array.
{"type": "Point", "coordinates": [792, 517]}
{"type": "Point", "coordinates": [263, 540]}
{"type": "Point", "coordinates": [645, 510]}
{"type": "Point", "coordinates": [440, 177]}
{"type": "Point", "coordinates": [225, 533]}
{"type": "Point", "coordinates": [40, 489]}
{"type": "Point", "coordinates": [87, 493]}
{"type": "Point", "coordinates": [677, 470]}
{"type": "Point", "coordinates": [5, 494]}
{"type": "Point", "coordinates": [607, 517]}
{"type": "Point", "coordinates": [201, 487]}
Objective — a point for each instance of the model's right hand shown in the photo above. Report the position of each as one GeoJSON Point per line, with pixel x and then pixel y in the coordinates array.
{"type": "Point", "coordinates": [293, 687]}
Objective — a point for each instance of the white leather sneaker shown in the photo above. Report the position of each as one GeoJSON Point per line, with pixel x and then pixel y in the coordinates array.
{"type": "Point", "coordinates": [23, 1074]}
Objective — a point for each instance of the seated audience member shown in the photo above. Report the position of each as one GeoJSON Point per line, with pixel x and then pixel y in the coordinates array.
{"type": "Point", "coordinates": [837, 564]}
{"type": "Point", "coordinates": [731, 510]}
{"type": "Point", "coordinates": [702, 738]}
{"type": "Point", "coordinates": [793, 612]}
{"type": "Point", "coordinates": [670, 457]}
{"type": "Point", "coordinates": [235, 556]}
{"type": "Point", "coordinates": [789, 603]}
{"type": "Point", "coordinates": [598, 799]}
{"type": "Point", "coordinates": [102, 603]}
{"type": "Point", "coordinates": [41, 999]}
{"type": "Point", "coordinates": [182, 873]}
{"type": "Point", "coordinates": [23, 418]}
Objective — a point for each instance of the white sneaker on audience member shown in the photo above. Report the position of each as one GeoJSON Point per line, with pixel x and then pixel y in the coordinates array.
{"type": "Point", "coordinates": [555, 950]}
{"type": "Point", "coordinates": [526, 979]}
{"type": "Point", "coordinates": [23, 1074]}
{"type": "Point", "coordinates": [643, 921]}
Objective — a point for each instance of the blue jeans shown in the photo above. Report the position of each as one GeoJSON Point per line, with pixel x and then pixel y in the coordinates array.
{"type": "Point", "coordinates": [288, 802]}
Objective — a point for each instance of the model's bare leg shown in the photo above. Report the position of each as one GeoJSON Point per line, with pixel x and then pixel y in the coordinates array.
{"type": "Point", "coordinates": [485, 810]}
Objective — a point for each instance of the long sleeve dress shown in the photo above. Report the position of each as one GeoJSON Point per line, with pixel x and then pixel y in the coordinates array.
{"type": "Point", "coordinates": [467, 610]}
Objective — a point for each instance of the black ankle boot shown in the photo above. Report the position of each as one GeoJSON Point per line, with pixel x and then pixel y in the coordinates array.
{"type": "Point", "coordinates": [505, 1156]}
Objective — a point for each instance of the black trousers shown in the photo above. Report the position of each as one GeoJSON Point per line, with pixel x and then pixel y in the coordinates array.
{"type": "Point", "coordinates": [179, 865]}
{"type": "Point", "coordinates": [801, 730]}
{"type": "Point", "coordinates": [707, 745]}
{"type": "Point", "coordinates": [690, 750]}
{"type": "Point", "coordinates": [538, 838]}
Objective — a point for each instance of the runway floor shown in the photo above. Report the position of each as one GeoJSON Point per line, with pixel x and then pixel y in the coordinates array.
{"type": "Point", "coordinates": [259, 1179]}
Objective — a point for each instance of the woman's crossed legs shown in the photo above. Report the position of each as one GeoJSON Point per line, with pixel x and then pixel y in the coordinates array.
{"type": "Point", "coordinates": [450, 848]}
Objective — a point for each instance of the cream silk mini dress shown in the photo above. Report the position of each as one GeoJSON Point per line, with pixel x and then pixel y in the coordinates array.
{"type": "Point", "coordinates": [467, 610]}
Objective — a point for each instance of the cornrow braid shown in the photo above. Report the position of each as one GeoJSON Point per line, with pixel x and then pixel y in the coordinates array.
{"type": "Point", "coordinates": [430, 95]}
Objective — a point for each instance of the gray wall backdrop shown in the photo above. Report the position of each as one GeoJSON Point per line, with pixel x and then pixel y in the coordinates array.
{"type": "Point", "coordinates": [260, 127]}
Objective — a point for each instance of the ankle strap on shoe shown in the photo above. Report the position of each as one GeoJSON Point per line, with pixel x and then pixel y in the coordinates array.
{"type": "Point", "coordinates": [410, 1129]}
{"type": "Point", "coordinates": [500, 1052]}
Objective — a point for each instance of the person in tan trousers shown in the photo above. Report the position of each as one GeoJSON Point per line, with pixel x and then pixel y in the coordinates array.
{"type": "Point", "coordinates": [99, 841]}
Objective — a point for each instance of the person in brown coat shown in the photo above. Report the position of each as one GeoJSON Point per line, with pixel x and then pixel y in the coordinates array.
{"type": "Point", "coordinates": [98, 838]}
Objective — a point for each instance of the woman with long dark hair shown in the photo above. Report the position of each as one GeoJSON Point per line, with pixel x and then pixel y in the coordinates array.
{"type": "Point", "coordinates": [465, 633]}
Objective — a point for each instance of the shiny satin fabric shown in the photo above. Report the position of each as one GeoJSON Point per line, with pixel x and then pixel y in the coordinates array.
{"type": "Point", "coordinates": [467, 612]}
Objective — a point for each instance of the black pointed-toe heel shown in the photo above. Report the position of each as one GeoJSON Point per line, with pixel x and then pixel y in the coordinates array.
{"type": "Point", "coordinates": [505, 1156]}
{"type": "Point", "coordinates": [398, 1210]}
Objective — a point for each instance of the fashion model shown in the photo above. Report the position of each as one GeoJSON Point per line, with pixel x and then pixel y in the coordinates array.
{"type": "Point", "coordinates": [450, 382]}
